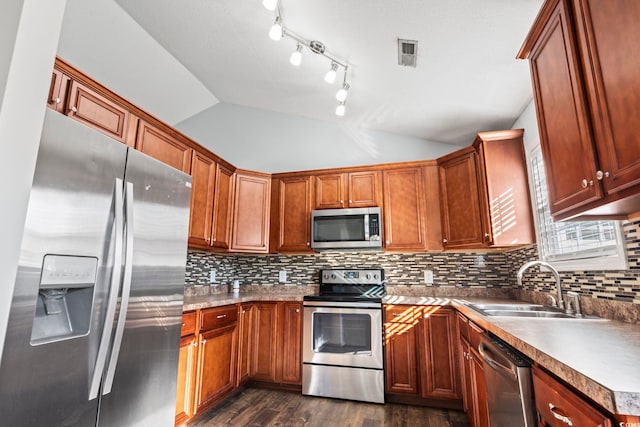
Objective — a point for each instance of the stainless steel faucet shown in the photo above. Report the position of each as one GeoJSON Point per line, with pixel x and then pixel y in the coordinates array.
{"type": "Point", "coordinates": [526, 266]}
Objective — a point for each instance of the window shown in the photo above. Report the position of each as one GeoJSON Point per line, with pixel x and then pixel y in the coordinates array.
{"type": "Point", "coordinates": [573, 245]}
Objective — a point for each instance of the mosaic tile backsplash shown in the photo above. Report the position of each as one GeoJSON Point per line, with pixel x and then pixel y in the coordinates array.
{"type": "Point", "coordinates": [471, 271]}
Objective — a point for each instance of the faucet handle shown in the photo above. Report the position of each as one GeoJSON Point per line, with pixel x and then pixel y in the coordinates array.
{"type": "Point", "coordinates": [573, 303]}
{"type": "Point", "coordinates": [554, 302]}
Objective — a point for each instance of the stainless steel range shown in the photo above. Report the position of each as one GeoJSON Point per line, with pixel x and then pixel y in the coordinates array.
{"type": "Point", "coordinates": [342, 336]}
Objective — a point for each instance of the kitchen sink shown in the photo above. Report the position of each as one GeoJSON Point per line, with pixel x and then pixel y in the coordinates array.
{"type": "Point", "coordinates": [534, 313]}
{"type": "Point", "coordinates": [511, 307]}
{"type": "Point", "coordinates": [524, 310]}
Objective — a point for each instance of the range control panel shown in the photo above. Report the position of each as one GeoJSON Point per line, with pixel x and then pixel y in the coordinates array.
{"type": "Point", "coordinates": [352, 277]}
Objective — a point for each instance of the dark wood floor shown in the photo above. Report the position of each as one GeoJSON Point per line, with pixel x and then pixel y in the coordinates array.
{"type": "Point", "coordinates": [254, 407]}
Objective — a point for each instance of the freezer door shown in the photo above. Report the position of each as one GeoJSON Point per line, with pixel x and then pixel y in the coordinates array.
{"type": "Point", "coordinates": [64, 271]}
{"type": "Point", "coordinates": [140, 386]}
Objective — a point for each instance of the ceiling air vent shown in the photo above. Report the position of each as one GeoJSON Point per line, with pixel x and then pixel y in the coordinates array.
{"type": "Point", "coordinates": [407, 52]}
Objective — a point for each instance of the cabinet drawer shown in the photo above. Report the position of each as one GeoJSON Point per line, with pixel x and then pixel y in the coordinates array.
{"type": "Point", "coordinates": [402, 314]}
{"type": "Point", "coordinates": [211, 318]}
{"type": "Point", "coordinates": [463, 326]}
{"type": "Point", "coordinates": [188, 324]}
{"type": "Point", "coordinates": [559, 406]}
{"type": "Point", "coordinates": [474, 334]}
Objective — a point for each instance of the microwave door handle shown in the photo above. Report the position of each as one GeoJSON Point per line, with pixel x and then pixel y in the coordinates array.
{"type": "Point", "coordinates": [366, 227]}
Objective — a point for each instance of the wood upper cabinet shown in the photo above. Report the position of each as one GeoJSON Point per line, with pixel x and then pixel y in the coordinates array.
{"type": "Point", "coordinates": [216, 355]}
{"type": "Point", "coordinates": [245, 342]}
{"type": "Point", "coordinates": [587, 94]}
{"type": "Point", "coordinates": [558, 405]}
{"type": "Point", "coordinates": [291, 214]}
{"type": "Point", "coordinates": [203, 174]}
{"type": "Point", "coordinates": [222, 208]}
{"type": "Point", "coordinates": [484, 193]}
{"type": "Point", "coordinates": [348, 190]}
{"type": "Point", "coordinates": [95, 110]}
{"type": "Point", "coordinates": [251, 203]}
{"type": "Point", "coordinates": [401, 353]}
{"type": "Point", "coordinates": [290, 349]}
{"type": "Point", "coordinates": [58, 90]}
{"type": "Point", "coordinates": [440, 375]}
{"type": "Point", "coordinates": [164, 147]}
{"type": "Point", "coordinates": [404, 209]}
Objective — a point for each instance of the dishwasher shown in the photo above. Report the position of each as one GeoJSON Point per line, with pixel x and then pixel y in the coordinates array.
{"type": "Point", "coordinates": [509, 384]}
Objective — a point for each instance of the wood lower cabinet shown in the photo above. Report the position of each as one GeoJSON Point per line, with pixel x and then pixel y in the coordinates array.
{"type": "Point", "coordinates": [348, 190]}
{"type": "Point", "coordinates": [421, 355]}
{"type": "Point", "coordinates": [251, 204]}
{"type": "Point", "coordinates": [484, 193]}
{"type": "Point", "coordinates": [586, 95]}
{"type": "Point", "coordinates": [290, 343]}
{"type": "Point", "coordinates": [217, 358]}
{"type": "Point", "coordinates": [265, 323]}
{"type": "Point", "coordinates": [558, 405]}
{"type": "Point", "coordinates": [162, 146]}
{"type": "Point", "coordinates": [245, 342]}
{"type": "Point", "coordinates": [187, 367]}
{"type": "Point", "coordinates": [473, 381]}
{"type": "Point", "coordinates": [291, 214]}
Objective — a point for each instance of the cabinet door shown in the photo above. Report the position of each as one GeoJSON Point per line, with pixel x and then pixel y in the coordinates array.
{"type": "Point", "coordinates": [265, 344]}
{"type": "Point", "coordinates": [404, 209]}
{"type": "Point", "coordinates": [245, 329]}
{"type": "Point", "coordinates": [439, 373]}
{"type": "Point", "coordinates": [291, 348]}
{"type": "Point", "coordinates": [565, 133]}
{"type": "Point", "coordinates": [164, 147]}
{"type": "Point", "coordinates": [216, 365]}
{"type": "Point", "coordinates": [222, 208]}
{"type": "Point", "coordinates": [203, 172]}
{"type": "Point", "coordinates": [187, 363]}
{"type": "Point", "coordinates": [293, 214]}
{"type": "Point", "coordinates": [330, 191]}
{"type": "Point", "coordinates": [479, 390]}
{"type": "Point", "coordinates": [250, 229]}
{"type": "Point", "coordinates": [364, 189]}
{"type": "Point", "coordinates": [401, 370]}
{"type": "Point", "coordinates": [57, 91]}
{"type": "Point", "coordinates": [97, 111]}
{"type": "Point", "coordinates": [459, 202]}
{"type": "Point", "coordinates": [611, 60]}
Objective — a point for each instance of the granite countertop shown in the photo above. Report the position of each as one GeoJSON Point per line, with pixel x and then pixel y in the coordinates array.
{"type": "Point", "coordinates": [599, 357]}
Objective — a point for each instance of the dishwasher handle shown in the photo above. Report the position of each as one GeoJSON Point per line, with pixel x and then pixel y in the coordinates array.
{"type": "Point", "coordinates": [509, 371]}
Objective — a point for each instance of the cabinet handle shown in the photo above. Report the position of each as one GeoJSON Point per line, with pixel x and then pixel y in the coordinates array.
{"type": "Point", "coordinates": [559, 416]}
{"type": "Point", "coordinates": [221, 316]}
{"type": "Point", "coordinates": [600, 175]}
{"type": "Point", "coordinates": [398, 314]}
{"type": "Point", "coordinates": [73, 109]}
{"type": "Point", "coordinates": [586, 183]}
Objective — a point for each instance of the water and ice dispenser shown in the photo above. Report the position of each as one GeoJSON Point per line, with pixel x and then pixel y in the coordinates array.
{"type": "Point", "coordinates": [65, 298]}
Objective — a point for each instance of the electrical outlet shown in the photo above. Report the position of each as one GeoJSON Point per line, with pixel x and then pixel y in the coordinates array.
{"type": "Point", "coordinates": [212, 275]}
{"type": "Point", "coordinates": [428, 277]}
{"type": "Point", "coordinates": [282, 276]}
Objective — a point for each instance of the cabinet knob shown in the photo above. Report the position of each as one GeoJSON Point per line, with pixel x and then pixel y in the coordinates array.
{"type": "Point", "coordinates": [586, 183]}
{"type": "Point", "coordinates": [600, 175]}
{"type": "Point", "coordinates": [213, 240]}
{"type": "Point", "coordinates": [559, 416]}
{"type": "Point", "coordinates": [387, 242]}
{"type": "Point", "coordinates": [57, 100]}
{"type": "Point", "coordinates": [308, 244]}
{"type": "Point", "coordinates": [350, 201]}
{"type": "Point", "coordinates": [444, 240]}
{"type": "Point", "coordinates": [204, 342]}
{"type": "Point", "coordinates": [195, 343]}
{"type": "Point", "coordinates": [341, 202]}
{"type": "Point", "coordinates": [73, 109]}
{"type": "Point", "coordinates": [486, 235]}
{"type": "Point", "coordinates": [297, 310]}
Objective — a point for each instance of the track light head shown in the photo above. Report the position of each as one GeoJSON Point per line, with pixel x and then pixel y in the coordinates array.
{"type": "Point", "coordinates": [342, 93]}
{"type": "Point", "coordinates": [270, 4]}
{"type": "Point", "coordinates": [340, 109]}
{"type": "Point", "coordinates": [275, 33]}
{"type": "Point", "coordinates": [296, 56]}
{"type": "Point", "coordinates": [330, 77]}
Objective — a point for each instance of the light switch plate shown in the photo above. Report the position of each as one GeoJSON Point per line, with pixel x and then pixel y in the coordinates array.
{"type": "Point", "coordinates": [428, 277]}
{"type": "Point", "coordinates": [282, 276]}
{"type": "Point", "coordinates": [212, 275]}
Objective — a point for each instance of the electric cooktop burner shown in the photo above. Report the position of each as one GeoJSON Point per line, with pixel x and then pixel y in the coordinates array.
{"type": "Point", "coordinates": [350, 285]}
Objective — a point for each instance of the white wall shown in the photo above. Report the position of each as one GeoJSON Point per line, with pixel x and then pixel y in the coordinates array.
{"type": "Point", "coordinates": [28, 65]}
{"type": "Point", "coordinates": [529, 122]}
{"type": "Point", "coordinates": [102, 40]}
{"type": "Point", "coordinates": [273, 142]}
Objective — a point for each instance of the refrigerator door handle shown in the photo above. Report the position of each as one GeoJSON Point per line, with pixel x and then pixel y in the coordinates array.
{"type": "Point", "coordinates": [126, 290]}
{"type": "Point", "coordinates": [114, 287]}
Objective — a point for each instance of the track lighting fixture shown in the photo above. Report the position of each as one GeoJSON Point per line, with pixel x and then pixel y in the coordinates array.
{"type": "Point", "coordinates": [275, 33]}
{"type": "Point", "coordinates": [278, 31]}
{"type": "Point", "coordinates": [270, 4]}
{"type": "Point", "coordinates": [296, 56]}
{"type": "Point", "coordinates": [330, 77]}
{"type": "Point", "coordinates": [341, 95]}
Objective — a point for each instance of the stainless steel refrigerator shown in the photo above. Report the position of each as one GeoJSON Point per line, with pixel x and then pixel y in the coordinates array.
{"type": "Point", "coordinates": [94, 327]}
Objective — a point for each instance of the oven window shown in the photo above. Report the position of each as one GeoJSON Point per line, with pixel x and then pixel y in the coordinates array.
{"type": "Point", "coordinates": [344, 228]}
{"type": "Point", "coordinates": [342, 333]}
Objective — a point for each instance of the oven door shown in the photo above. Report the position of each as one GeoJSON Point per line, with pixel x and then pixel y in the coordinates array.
{"type": "Point", "coordinates": [343, 334]}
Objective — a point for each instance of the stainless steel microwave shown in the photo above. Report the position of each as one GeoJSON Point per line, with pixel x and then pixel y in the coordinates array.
{"type": "Point", "coordinates": [359, 228]}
